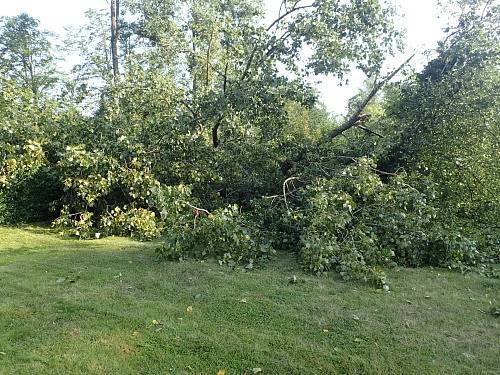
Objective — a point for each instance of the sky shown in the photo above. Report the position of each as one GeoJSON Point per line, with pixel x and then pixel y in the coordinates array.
{"type": "Point", "coordinates": [420, 18]}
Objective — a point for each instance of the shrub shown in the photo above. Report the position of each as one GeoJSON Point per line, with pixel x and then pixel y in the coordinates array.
{"type": "Point", "coordinates": [31, 199]}
{"type": "Point", "coordinates": [80, 224]}
{"type": "Point", "coordinates": [105, 195]}
{"type": "Point", "coordinates": [139, 223]}
{"type": "Point", "coordinates": [226, 234]}
{"type": "Point", "coordinates": [27, 185]}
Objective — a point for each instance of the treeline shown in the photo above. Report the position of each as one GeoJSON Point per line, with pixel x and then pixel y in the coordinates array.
{"type": "Point", "coordinates": [183, 123]}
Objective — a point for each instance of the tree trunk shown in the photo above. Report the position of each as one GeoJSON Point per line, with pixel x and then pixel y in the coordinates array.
{"type": "Point", "coordinates": [115, 10]}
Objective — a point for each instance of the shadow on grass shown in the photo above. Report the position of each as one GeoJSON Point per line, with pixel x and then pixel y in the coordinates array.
{"type": "Point", "coordinates": [34, 228]}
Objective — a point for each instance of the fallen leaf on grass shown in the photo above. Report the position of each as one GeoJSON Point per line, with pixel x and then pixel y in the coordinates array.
{"type": "Point", "coordinates": [468, 356]}
{"type": "Point", "coordinates": [127, 350]}
{"type": "Point", "coordinates": [189, 309]}
{"type": "Point", "coordinates": [75, 332]}
{"type": "Point", "coordinates": [221, 372]}
{"type": "Point", "coordinates": [158, 324]}
{"type": "Point", "coordinates": [256, 370]}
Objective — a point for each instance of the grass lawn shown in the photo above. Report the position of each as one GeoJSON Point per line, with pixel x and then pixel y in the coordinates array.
{"type": "Point", "coordinates": [108, 307]}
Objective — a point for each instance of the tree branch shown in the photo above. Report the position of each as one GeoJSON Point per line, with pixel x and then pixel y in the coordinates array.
{"type": "Point", "coordinates": [194, 207]}
{"type": "Point", "coordinates": [249, 63]}
{"type": "Point", "coordinates": [207, 79]}
{"type": "Point", "coordinates": [354, 118]}
{"type": "Point", "coordinates": [272, 47]}
{"type": "Point", "coordinates": [287, 13]}
{"type": "Point", "coordinates": [275, 22]}
{"type": "Point", "coordinates": [369, 130]}
{"type": "Point", "coordinates": [215, 130]}
{"type": "Point", "coordinates": [285, 186]}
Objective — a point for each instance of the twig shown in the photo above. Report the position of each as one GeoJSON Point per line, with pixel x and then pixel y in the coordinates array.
{"type": "Point", "coordinates": [285, 187]}
{"type": "Point", "coordinates": [194, 207]}
{"type": "Point", "coordinates": [292, 10]}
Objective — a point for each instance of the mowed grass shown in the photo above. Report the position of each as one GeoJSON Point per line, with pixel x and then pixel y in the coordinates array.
{"type": "Point", "coordinates": [109, 307]}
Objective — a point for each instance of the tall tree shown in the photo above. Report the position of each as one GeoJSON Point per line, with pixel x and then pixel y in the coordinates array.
{"type": "Point", "coordinates": [25, 53]}
{"type": "Point", "coordinates": [115, 14]}
{"type": "Point", "coordinates": [226, 52]}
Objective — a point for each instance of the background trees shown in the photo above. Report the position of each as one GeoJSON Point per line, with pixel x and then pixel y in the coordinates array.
{"type": "Point", "coordinates": [25, 53]}
{"type": "Point", "coordinates": [450, 128]}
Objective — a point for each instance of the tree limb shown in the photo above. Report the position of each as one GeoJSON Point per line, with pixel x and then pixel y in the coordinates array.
{"type": "Point", "coordinates": [294, 9]}
{"type": "Point", "coordinates": [249, 63]}
{"type": "Point", "coordinates": [285, 186]}
{"type": "Point", "coordinates": [355, 117]}
{"type": "Point", "coordinates": [287, 13]}
{"type": "Point", "coordinates": [215, 130]}
{"type": "Point", "coordinates": [189, 108]}
{"type": "Point", "coordinates": [368, 130]}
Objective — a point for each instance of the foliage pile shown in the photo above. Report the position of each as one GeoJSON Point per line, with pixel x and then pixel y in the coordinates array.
{"type": "Point", "coordinates": [198, 134]}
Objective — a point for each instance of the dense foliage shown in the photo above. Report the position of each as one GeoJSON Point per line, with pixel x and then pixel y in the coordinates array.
{"type": "Point", "coordinates": [208, 136]}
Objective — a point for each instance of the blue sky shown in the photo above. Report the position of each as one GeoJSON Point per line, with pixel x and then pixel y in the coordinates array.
{"type": "Point", "coordinates": [421, 19]}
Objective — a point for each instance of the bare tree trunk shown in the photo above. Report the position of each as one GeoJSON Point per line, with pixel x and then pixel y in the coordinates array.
{"type": "Point", "coordinates": [215, 129]}
{"type": "Point", "coordinates": [192, 65]}
{"type": "Point", "coordinates": [115, 10]}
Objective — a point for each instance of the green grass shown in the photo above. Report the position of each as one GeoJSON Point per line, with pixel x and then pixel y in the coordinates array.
{"type": "Point", "coordinates": [87, 307]}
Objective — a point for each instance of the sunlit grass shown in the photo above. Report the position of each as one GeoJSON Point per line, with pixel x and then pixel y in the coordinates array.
{"type": "Point", "coordinates": [108, 307]}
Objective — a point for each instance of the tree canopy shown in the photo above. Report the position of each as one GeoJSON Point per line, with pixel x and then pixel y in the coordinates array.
{"type": "Point", "coordinates": [26, 53]}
